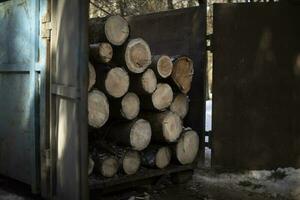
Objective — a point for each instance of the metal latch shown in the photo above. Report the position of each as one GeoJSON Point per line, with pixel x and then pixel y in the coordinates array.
{"type": "Point", "coordinates": [46, 27]}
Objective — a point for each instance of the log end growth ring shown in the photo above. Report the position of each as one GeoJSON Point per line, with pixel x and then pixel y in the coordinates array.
{"type": "Point", "coordinates": [137, 55]}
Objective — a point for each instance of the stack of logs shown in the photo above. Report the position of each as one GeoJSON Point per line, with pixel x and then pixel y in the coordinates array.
{"type": "Point", "coordinates": [136, 103]}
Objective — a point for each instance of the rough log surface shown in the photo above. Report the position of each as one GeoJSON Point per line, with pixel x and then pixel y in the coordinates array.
{"type": "Point", "coordinates": [136, 134]}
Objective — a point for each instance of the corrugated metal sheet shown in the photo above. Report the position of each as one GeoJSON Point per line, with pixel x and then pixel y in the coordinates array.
{"type": "Point", "coordinates": [22, 63]}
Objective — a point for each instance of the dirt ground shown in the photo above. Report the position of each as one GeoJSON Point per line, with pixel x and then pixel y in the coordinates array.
{"type": "Point", "coordinates": [204, 185]}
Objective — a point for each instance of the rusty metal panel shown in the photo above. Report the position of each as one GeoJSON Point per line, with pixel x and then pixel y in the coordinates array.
{"type": "Point", "coordinates": [68, 103]}
{"type": "Point", "coordinates": [180, 32]}
{"type": "Point", "coordinates": [22, 64]}
{"type": "Point", "coordinates": [256, 86]}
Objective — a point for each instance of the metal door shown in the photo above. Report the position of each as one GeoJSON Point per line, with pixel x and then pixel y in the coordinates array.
{"type": "Point", "coordinates": [256, 86]}
{"type": "Point", "coordinates": [68, 102]}
{"type": "Point", "coordinates": [22, 72]}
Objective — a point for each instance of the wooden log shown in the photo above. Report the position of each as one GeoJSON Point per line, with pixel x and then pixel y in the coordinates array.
{"type": "Point", "coordinates": [160, 99]}
{"type": "Point", "coordinates": [92, 76]}
{"type": "Point", "coordinates": [106, 164]}
{"type": "Point", "coordinates": [113, 81]}
{"type": "Point", "coordinates": [98, 109]}
{"type": "Point", "coordinates": [101, 52]}
{"type": "Point", "coordinates": [135, 55]}
{"type": "Point", "coordinates": [182, 75]}
{"type": "Point", "coordinates": [91, 166]}
{"type": "Point", "coordinates": [144, 83]}
{"type": "Point", "coordinates": [180, 105]}
{"type": "Point", "coordinates": [114, 29]}
{"type": "Point", "coordinates": [166, 126]}
{"type": "Point", "coordinates": [162, 65]}
{"type": "Point", "coordinates": [187, 147]}
{"type": "Point", "coordinates": [135, 134]}
{"type": "Point", "coordinates": [156, 157]}
{"type": "Point", "coordinates": [128, 107]}
{"type": "Point", "coordinates": [130, 159]}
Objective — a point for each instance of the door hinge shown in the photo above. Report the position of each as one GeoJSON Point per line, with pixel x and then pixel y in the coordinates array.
{"type": "Point", "coordinates": [46, 26]}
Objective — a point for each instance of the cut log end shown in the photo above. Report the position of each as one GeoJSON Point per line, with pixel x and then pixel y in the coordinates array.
{"type": "Point", "coordinates": [109, 167]}
{"type": "Point", "coordinates": [164, 66]}
{"type": "Point", "coordinates": [182, 75]}
{"type": "Point", "coordinates": [187, 147]}
{"type": "Point", "coordinates": [116, 30]}
{"type": "Point", "coordinates": [137, 55]}
{"type": "Point", "coordinates": [130, 106]}
{"type": "Point", "coordinates": [180, 105]}
{"type": "Point", "coordinates": [140, 135]}
{"type": "Point", "coordinates": [163, 157]}
{"type": "Point", "coordinates": [98, 109]}
{"type": "Point", "coordinates": [149, 81]}
{"type": "Point", "coordinates": [92, 76]}
{"type": "Point", "coordinates": [101, 52]}
{"type": "Point", "coordinates": [117, 82]}
{"type": "Point", "coordinates": [172, 127]}
{"type": "Point", "coordinates": [162, 97]}
{"type": "Point", "coordinates": [131, 162]}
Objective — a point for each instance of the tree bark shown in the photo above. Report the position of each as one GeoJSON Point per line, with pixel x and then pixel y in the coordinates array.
{"type": "Point", "coordinates": [166, 126]}
{"type": "Point", "coordinates": [101, 52]}
{"type": "Point", "coordinates": [98, 109]}
{"type": "Point", "coordinates": [114, 29]}
{"type": "Point", "coordinates": [135, 55]}
{"type": "Point", "coordinates": [135, 134]}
